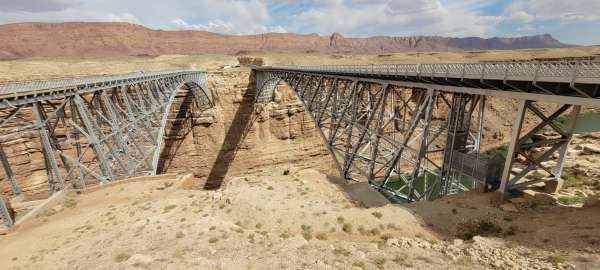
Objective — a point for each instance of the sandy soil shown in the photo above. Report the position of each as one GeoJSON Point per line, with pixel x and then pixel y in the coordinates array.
{"type": "Point", "coordinates": [297, 221]}
{"type": "Point", "coordinates": [32, 69]}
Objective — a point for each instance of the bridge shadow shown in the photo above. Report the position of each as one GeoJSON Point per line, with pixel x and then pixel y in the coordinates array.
{"type": "Point", "coordinates": [241, 125]}
{"type": "Point", "coordinates": [178, 131]}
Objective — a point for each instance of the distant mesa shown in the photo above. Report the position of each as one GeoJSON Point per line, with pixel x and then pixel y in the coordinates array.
{"type": "Point", "coordinates": [24, 40]}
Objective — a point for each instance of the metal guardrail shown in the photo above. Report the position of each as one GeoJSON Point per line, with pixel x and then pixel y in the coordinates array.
{"type": "Point", "coordinates": [15, 88]}
{"type": "Point", "coordinates": [557, 71]}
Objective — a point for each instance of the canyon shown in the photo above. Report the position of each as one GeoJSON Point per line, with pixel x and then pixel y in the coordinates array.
{"type": "Point", "coordinates": [248, 184]}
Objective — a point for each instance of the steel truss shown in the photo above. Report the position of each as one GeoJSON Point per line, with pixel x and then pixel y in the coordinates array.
{"type": "Point", "coordinates": [420, 140]}
{"type": "Point", "coordinates": [398, 139]}
{"type": "Point", "coordinates": [530, 151]}
{"type": "Point", "coordinates": [96, 131]}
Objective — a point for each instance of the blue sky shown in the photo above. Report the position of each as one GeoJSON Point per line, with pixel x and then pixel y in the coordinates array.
{"type": "Point", "coordinates": [571, 21]}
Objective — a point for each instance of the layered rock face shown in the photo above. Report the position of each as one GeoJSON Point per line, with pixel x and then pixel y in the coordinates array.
{"type": "Point", "coordinates": [24, 152]}
{"type": "Point", "coordinates": [238, 136]}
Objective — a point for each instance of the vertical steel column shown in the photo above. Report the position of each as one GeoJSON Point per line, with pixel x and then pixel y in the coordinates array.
{"type": "Point", "coordinates": [416, 117]}
{"type": "Point", "coordinates": [81, 172]}
{"type": "Point", "coordinates": [92, 138]}
{"type": "Point", "coordinates": [422, 151]}
{"type": "Point", "coordinates": [120, 137]}
{"type": "Point", "coordinates": [379, 129]}
{"type": "Point", "coordinates": [562, 156]}
{"type": "Point", "coordinates": [6, 212]}
{"type": "Point", "coordinates": [9, 173]}
{"type": "Point", "coordinates": [53, 170]}
{"type": "Point", "coordinates": [512, 148]}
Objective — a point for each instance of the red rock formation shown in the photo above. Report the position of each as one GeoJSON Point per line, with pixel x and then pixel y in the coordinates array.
{"type": "Point", "coordinates": [23, 40]}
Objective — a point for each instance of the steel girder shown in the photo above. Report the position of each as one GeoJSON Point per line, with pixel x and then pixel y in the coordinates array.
{"type": "Point", "coordinates": [97, 133]}
{"type": "Point", "coordinates": [394, 137]}
{"type": "Point", "coordinates": [530, 151]}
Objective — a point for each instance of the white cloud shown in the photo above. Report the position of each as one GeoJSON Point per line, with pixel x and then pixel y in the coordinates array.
{"type": "Point", "coordinates": [224, 16]}
{"type": "Point", "coordinates": [36, 5]}
{"type": "Point", "coordinates": [520, 17]}
{"type": "Point", "coordinates": [220, 26]}
{"type": "Point", "coordinates": [396, 17]}
{"type": "Point", "coordinates": [554, 10]}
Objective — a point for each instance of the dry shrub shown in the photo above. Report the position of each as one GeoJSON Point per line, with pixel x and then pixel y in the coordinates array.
{"type": "Point", "coordinates": [250, 61]}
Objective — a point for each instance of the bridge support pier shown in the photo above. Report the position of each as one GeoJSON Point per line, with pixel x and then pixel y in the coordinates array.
{"type": "Point", "coordinates": [8, 172]}
{"type": "Point", "coordinates": [6, 212]}
{"type": "Point", "coordinates": [531, 153]}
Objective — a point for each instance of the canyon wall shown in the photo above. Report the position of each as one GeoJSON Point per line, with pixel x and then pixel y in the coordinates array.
{"type": "Point", "coordinates": [238, 136]}
{"type": "Point", "coordinates": [234, 138]}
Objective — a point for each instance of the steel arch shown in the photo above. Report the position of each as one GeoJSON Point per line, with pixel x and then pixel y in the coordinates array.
{"type": "Point", "coordinates": [95, 129]}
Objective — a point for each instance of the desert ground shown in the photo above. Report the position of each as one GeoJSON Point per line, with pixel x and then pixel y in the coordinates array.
{"type": "Point", "coordinates": [32, 69]}
{"type": "Point", "coordinates": [291, 215]}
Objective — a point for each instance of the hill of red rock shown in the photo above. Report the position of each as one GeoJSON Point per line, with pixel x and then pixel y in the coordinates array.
{"type": "Point", "coordinates": [23, 40]}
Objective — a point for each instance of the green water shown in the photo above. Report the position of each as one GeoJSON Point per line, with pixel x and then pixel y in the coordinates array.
{"type": "Point", "coordinates": [588, 122]}
{"type": "Point", "coordinates": [432, 179]}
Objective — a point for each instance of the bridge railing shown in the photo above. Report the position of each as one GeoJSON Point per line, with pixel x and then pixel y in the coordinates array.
{"type": "Point", "coordinates": [84, 82]}
{"type": "Point", "coordinates": [567, 71]}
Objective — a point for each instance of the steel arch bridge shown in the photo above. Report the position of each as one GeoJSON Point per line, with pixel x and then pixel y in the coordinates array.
{"type": "Point", "coordinates": [415, 131]}
{"type": "Point", "coordinates": [94, 129]}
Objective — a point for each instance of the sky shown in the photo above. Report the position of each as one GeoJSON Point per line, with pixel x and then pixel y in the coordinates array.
{"type": "Point", "coordinates": [571, 21]}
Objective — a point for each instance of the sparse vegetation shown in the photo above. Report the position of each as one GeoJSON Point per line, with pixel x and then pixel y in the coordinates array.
{"type": "Point", "coordinates": [468, 230]}
{"type": "Point", "coordinates": [556, 259]}
{"type": "Point", "coordinates": [69, 202]}
{"type": "Point", "coordinates": [380, 262]}
{"type": "Point", "coordinates": [377, 214]}
{"type": "Point", "coordinates": [341, 251]}
{"type": "Point", "coordinates": [121, 257]}
{"type": "Point", "coordinates": [572, 200]}
{"type": "Point", "coordinates": [347, 228]}
{"type": "Point", "coordinates": [213, 240]}
{"type": "Point", "coordinates": [359, 264]}
{"type": "Point", "coordinates": [168, 208]}
{"type": "Point", "coordinates": [401, 260]}
{"type": "Point", "coordinates": [307, 232]}
{"type": "Point", "coordinates": [321, 236]}
{"type": "Point", "coordinates": [285, 235]}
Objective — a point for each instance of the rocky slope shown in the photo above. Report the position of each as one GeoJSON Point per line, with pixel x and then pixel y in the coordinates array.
{"type": "Point", "coordinates": [122, 39]}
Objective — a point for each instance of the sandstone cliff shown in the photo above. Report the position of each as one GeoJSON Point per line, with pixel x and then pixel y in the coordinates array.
{"type": "Point", "coordinates": [24, 40]}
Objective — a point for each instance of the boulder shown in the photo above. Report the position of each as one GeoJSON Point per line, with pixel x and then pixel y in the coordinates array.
{"type": "Point", "coordinates": [509, 207]}
{"type": "Point", "coordinates": [592, 201]}
{"type": "Point", "coordinates": [591, 149]}
{"type": "Point", "coordinates": [553, 186]}
{"type": "Point", "coordinates": [541, 198]}
{"type": "Point", "coordinates": [140, 260]}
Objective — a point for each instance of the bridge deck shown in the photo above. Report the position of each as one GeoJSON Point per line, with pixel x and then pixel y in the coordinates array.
{"type": "Point", "coordinates": [569, 79]}
{"type": "Point", "coordinates": [22, 91]}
